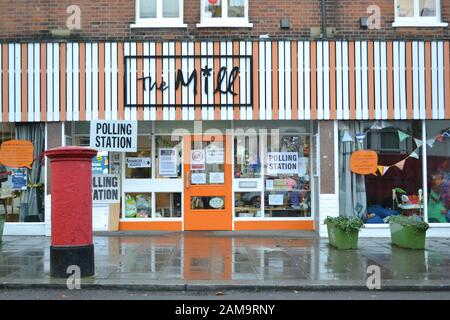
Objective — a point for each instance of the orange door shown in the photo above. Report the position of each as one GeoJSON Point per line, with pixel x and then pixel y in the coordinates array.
{"type": "Point", "coordinates": [207, 183]}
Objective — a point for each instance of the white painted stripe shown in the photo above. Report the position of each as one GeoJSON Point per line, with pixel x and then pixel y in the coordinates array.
{"type": "Point", "coordinates": [211, 80]}
{"type": "Point", "coordinates": [415, 66]}
{"type": "Point", "coordinates": [95, 71]}
{"type": "Point", "coordinates": [165, 76]}
{"type": "Point", "coordinates": [377, 81]}
{"type": "Point", "coordinates": [345, 82]}
{"type": "Point", "coordinates": [203, 62]}
{"type": "Point", "coordinates": [441, 102]}
{"type": "Point", "coordinates": [146, 73]}
{"type": "Point", "coordinates": [30, 81]}
{"type": "Point", "coordinates": [288, 84]}
{"type": "Point", "coordinates": [50, 96]}
{"type": "Point", "coordinates": [133, 111]}
{"type": "Point", "coordinates": [153, 75]}
{"type": "Point", "coordinates": [339, 76]}
{"type": "Point", "coordinates": [191, 67]}
{"type": "Point", "coordinates": [384, 95]}
{"type": "Point", "coordinates": [300, 77]}
{"type": "Point", "coordinates": [56, 92]}
{"type": "Point", "coordinates": [269, 84]}
{"type": "Point", "coordinates": [89, 81]}
{"type": "Point", "coordinates": [422, 84]}
{"type": "Point", "coordinates": [326, 80]}
{"type": "Point", "coordinates": [434, 81]}
{"type": "Point", "coordinates": [69, 81]}
{"type": "Point", "coordinates": [76, 82]}
{"type": "Point", "coordinates": [107, 78]}
{"type": "Point", "coordinates": [262, 80]}
{"type": "Point", "coordinates": [184, 96]}
{"type": "Point", "coordinates": [242, 81]}
{"type": "Point", "coordinates": [307, 78]}
{"type": "Point", "coordinates": [230, 96]}
{"type": "Point", "coordinates": [320, 93]}
{"type": "Point", "coordinates": [18, 80]}
{"type": "Point", "coordinates": [364, 77]}
{"type": "Point", "coordinates": [396, 79]}
{"type": "Point", "coordinates": [403, 101]}
{"type": "Point", "coordinates": [114, 89]}
{"type": "Point", "coordinates": [249, 91]}
{"type": "Point", "coordinates": [281, 80]}
{"type": "Point", "coordinates": [358, 87]}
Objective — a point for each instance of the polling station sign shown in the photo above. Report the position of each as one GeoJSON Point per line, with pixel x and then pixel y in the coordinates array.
{"type": "Point", "coordinates": [119, 136]}
{"type": "Point", "coordinates": [105, 188]}
{"type": "Point", "coordinates": [280, 163]}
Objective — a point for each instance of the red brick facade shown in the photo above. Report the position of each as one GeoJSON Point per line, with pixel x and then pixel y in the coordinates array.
{"type": "Point", "coordinates": [27, 20]}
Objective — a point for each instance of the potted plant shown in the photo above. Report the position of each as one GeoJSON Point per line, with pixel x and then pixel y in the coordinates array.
{"type": "Point", "coordinates": [408, 232]}
{"type": "Point", "coordinates": [343, 231]}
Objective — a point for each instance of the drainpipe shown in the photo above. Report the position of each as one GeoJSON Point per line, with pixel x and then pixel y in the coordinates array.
{"type": "Point", "coordinates": [324, 20]}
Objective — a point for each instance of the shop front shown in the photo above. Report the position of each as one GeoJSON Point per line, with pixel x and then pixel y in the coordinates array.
{"type": "Point", "coordinates": [236, 135]}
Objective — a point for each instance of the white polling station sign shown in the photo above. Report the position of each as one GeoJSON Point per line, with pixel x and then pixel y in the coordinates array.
{"type": "Point", "coordinates": [119, 136]}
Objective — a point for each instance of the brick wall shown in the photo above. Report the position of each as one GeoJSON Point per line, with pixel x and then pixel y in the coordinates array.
{"type": "Point", "coordinates": [26, 20]}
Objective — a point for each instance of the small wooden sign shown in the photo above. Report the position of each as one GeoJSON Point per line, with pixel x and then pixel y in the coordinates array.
{"type": "Point", "coordinates": [364, 162]}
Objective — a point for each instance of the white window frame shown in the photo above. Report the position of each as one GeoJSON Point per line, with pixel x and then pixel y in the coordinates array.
{"type": "Point", "coordinates": [417, 20]}
{"type": "Point", "coordinates": [159, 21]}
{"type": "Point", "coordinates": [224, 21]}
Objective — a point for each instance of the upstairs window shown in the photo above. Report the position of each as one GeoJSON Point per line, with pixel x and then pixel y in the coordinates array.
{"type": "Point", "coordinates": [159, 14]}
{"type": "Point", "coordinates": [224, 13]}
{"type": "Point", "coordinates": [418, 13]}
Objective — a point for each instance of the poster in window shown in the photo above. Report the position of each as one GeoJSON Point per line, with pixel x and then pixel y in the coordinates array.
{"type": "Point", "coordinates": [215, 155]}
{"type": "Point", "coordinates": [216, 177]}
{"type": "Point", "coordinates": [198, 159]}
{"type": "Point", "coordinates": [167, 162]}
{"type": "Point", "coordinates": [198, 178]}
{"type": "Point", "coordinates": [276, 199]}
{"type": "Point", "coordinates": [100, 163]}
{"type": "Point", "coordinates": [19, 179]}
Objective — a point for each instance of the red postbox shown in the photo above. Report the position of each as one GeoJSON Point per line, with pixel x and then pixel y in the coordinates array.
{"type": "Point", "coordinates": [71, 203]}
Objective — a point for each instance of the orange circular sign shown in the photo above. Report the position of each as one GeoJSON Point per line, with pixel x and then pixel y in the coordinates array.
{"type": "Point", "coordinates": [364, 162]}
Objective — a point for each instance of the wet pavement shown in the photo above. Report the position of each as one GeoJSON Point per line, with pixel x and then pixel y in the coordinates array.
{"type": "Point", "coordinates": [215, 260]}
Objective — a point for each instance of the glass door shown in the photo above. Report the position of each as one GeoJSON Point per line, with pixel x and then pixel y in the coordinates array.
{"type": "Point", "coordinates": [207, 183]}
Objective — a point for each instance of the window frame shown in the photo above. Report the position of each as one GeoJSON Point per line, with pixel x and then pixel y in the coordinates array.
{"type": "Point", "coordinates": [159, 21]}
{"type": "Point", "coordinates": [417, 20]}
{"type": "Point", "coordinates": [224, 21]}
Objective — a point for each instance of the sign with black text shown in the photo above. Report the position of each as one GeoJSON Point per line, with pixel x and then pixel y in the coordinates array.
{"type": "Point", "coordinates": [119, 136]}
{"type": "Point", "coordinates": [105, 188]}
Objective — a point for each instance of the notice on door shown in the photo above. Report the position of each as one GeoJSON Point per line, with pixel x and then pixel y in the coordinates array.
{"type": "Point", "coordinates": [282, 163]}
{"type": "Point", "coordinates": [120, 136]}
{"type": "Point", "coordinates": [105, 188]}
{"type": "Point", "coordinates": [167, 162]}
{"type": "Point", "coordinates": [215, 155]}
{"type": "Point", "coordinates": [198, 159]}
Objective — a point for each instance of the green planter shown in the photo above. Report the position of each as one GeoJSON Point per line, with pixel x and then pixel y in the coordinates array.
{"type": "Point", "coordinates": [340, 239]}
{"type": "Point", "coordinates": [2, 224]}
{"type": "Point", "coordinates": [407, 237]}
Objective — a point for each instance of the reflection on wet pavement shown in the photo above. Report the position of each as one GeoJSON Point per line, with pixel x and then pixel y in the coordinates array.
{"type": "Point", "coordinates": [203, 256]}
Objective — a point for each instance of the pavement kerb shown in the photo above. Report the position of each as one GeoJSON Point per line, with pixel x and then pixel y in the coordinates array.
{"type": "Point", "coordinates": [227, 287]}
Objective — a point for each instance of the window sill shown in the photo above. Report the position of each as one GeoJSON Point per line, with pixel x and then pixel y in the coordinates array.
{"type": "Point", "coordinates": [158, 25]}
{"type": "Point", "coordinates": [419, 24]}
{"type": "Point", "coordinates": [224, 24]}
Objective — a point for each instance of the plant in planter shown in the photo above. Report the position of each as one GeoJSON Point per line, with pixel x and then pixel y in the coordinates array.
{"type": "Point", "coordinates": [408, 232]}
{"type": "Point", "coordinates": [343, 231]}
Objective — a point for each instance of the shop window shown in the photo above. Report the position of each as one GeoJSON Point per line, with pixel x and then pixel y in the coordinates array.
{"type": "Point", "coordinates": [247, 162]}
{"type": "Point", "coordinates": [138, 164]}
{"type": "Point", "coordinates": [22, 188]}
{"type": "Point", "coordinates": [438, 171]}
{"type": "Point", "coordinates": [168, 205]}
{"type": "Point", "coordinates": [287, 177]}
{"type": "Point", "coordinates": [226, 13]}
{"type": "Point", "coordinates": [168, 157]}
{"type": "Point", "coordinates": [138, 205]}
{"type": "Point", "coordinates": [159, 13]}
{"type": "Point", "coordinates": [380, 169]}
{"type": "Point", "coordinates": [247, 204]}
{"type": "Point", "coordinates": [418, 13]}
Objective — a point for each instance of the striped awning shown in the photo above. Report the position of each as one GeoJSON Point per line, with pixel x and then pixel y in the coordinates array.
{"type": "Point", "coordinates": [275, 80]}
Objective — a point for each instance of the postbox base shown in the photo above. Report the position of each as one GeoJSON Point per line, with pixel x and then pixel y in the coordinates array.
{"type": "Point", "coordinates": [61, 257]}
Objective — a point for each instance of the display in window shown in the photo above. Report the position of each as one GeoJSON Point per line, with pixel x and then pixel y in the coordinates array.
{"type": "Point", "coordinates": [247, 160]}
{"type": "Point", "coordinates": [100, 163]}
{"type": "Point", "coordinates": [138, 205]}
{"type": "Point", "coordinates": [168, 205]}
{"type": "Point", "coordinates": [247, 204]}
{"type": "Point", "coordinates": [209, 203]}
{"type": "Point", "coordinates": [19, 179]}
